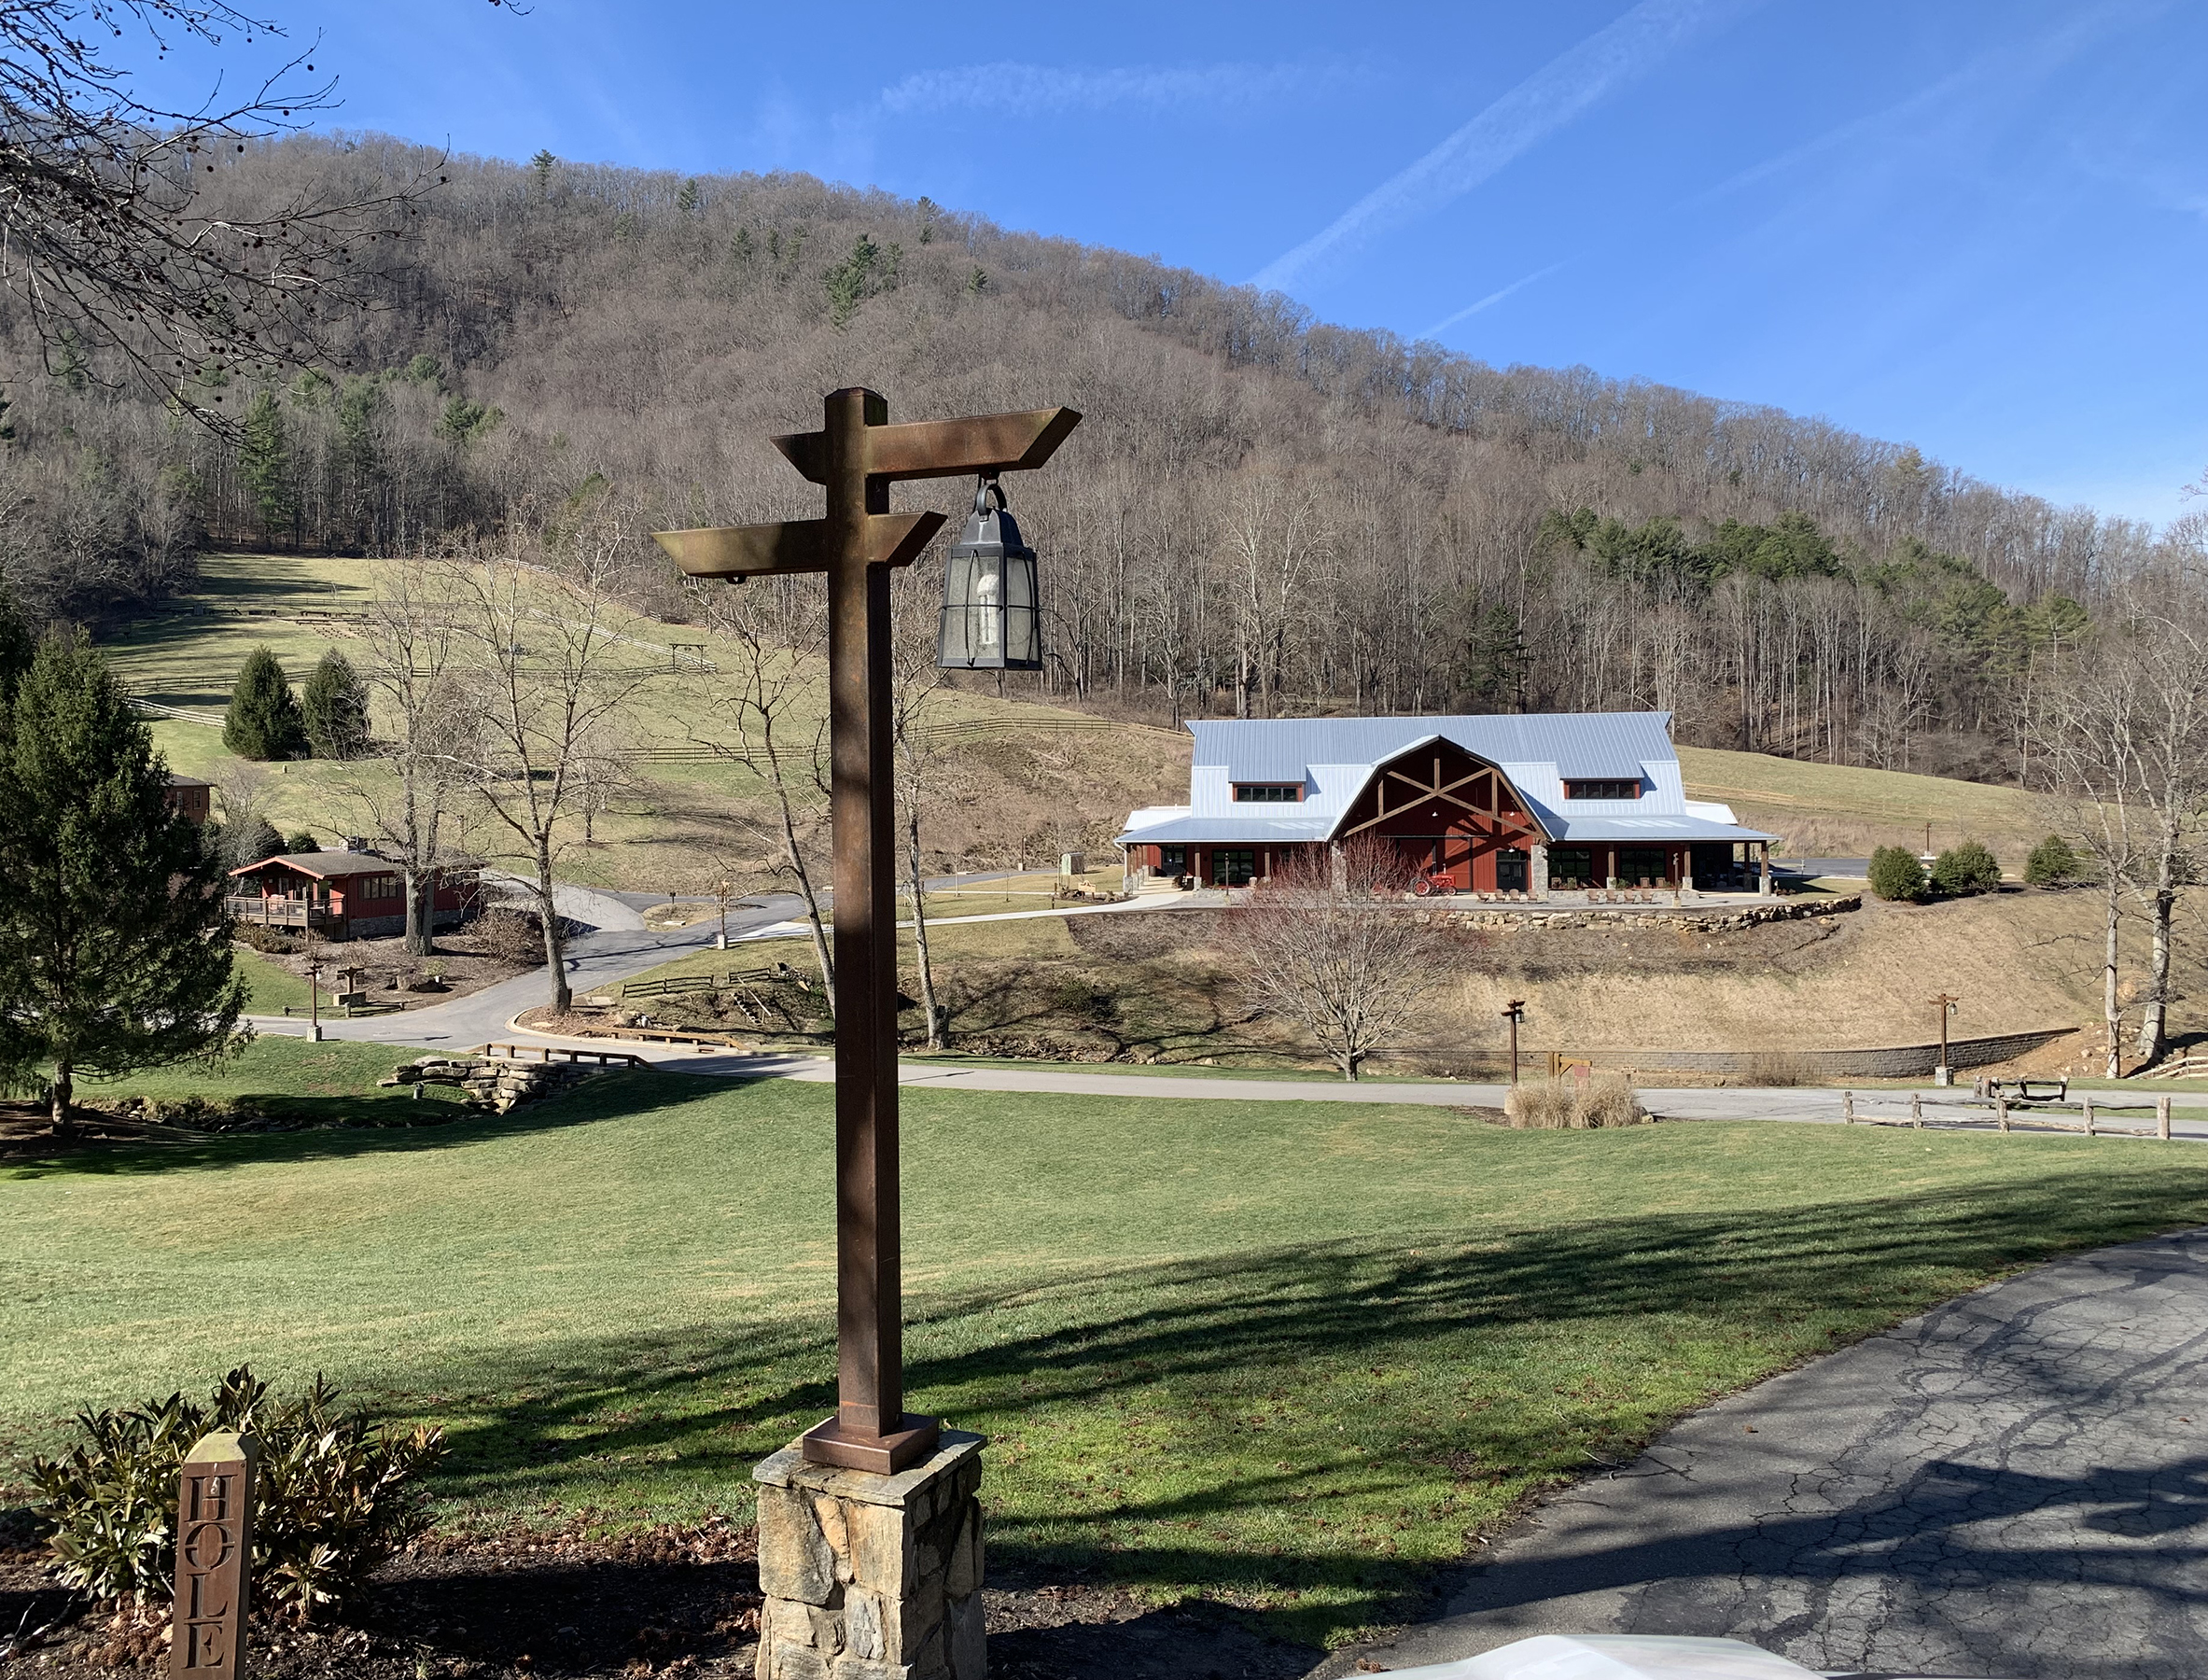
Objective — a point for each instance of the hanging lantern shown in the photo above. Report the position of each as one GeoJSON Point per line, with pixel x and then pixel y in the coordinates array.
{"type": "Point", "coordinates": [992, 617]}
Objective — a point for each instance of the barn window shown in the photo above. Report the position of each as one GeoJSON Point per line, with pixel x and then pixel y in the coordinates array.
{"type": "Point", "coordinates": [1602, 789]}
{"type": "Point", "coordinates": [1571, 866]}
{"type": "Point", "coordinates": [1268, 792]}
{"type": "Point", "coordinates": [1233, 868]}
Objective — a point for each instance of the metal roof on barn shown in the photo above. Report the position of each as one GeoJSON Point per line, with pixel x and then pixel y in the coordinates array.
{"type": "Point", "coordinates": [1596, 746]}
{"type": "Point", "coordinates": [1544, 756]}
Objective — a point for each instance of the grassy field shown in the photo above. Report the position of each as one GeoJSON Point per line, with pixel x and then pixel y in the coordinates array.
{"type": "Point", "coordinates": [1833, 810]}
{"type": "Point", "coordinates": [1032, 784]}
{"type": "Point", "coordinates": [269, 988]}
{"type": "Point", "coordinates": [1282, 1354]}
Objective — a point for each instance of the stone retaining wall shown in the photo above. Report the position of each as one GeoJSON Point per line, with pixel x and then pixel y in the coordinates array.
{"type": "Point", "coordinates": [1702, 919]}
{"type": "Point", "coordinates": [1895, 1061]}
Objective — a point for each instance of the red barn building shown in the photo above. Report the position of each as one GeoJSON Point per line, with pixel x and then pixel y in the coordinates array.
{"type": "Point", "coordinates": [1529, 803]}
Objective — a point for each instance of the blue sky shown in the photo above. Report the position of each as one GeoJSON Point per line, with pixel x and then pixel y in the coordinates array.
{"type": "Point", "coordinates": [1979, 226]}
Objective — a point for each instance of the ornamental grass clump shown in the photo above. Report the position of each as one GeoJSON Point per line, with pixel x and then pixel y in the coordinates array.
{"type": "Point", "coordinates": [1602, 1101]}
{"type": "Point", "coordinates": [336, 1495]}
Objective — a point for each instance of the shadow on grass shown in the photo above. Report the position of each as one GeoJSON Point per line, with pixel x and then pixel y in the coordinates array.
{"type": "Point", "coordinates": [364, 1125]}
{"type": "Point", "coordinates": [1202, 1344]}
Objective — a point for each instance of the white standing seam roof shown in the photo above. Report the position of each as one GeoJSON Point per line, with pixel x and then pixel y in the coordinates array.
{"type": "Point", "coordinates": [1334, 759]}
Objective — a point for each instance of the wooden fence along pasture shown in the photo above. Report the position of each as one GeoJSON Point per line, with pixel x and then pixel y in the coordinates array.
{"type": "Point", "coordinates": [2095, 1118]}
{"type": "Point", "coordinates": [675, 985]}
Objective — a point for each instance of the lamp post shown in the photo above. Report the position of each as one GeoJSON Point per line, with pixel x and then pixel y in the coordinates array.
{"type": "Point", "coordinates": [855, 457]}
{"type": "Point", "coordinates": [1945, 1004]}
{"type": "Point", "coordinates": [1513, 1012]}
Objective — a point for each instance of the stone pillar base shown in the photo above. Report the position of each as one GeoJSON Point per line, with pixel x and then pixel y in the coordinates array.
{"type": "Point", "coordinates": [872, 1577]}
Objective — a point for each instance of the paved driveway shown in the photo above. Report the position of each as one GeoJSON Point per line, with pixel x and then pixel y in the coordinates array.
{"type": "Point", "coordinates": [2015, 1484]}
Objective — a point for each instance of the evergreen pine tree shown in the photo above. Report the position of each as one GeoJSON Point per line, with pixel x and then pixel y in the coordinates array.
{"type": "Point", "coordinates": [114, 952]}
{"type": "Point", "coordinates": [17, 649]}
{"type": "Point", "coordinates": [264, 720]}
{"type": "Point", "coordinates": [334, 704]}
{"type": "Point", "coordinates": [264, 462]}
{"type": "Point", "coordinates": [1897, 876]}
{"type": "Point", "coordinates": [2052, 862]}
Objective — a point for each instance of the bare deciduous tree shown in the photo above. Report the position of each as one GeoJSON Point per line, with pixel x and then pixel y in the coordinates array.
{"type": "Point", "coordinates": [775, 637]}
{"type": "Point", "coordinates": [547, 672]}
{"type": "Point", "coordinates": [416, 771]}
{"type": "Point", "coordinates": [1329, 944]}
{"type": "Point", "coordinates": [2084, 723]}
{"type": "Point", "coordinates": [2168, 742]}
{"type": "Point", "coordinates": [915, 680]}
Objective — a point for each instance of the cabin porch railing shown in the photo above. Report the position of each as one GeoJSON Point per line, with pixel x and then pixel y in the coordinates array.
{"type": "Point", "coordinates": [280, 913]}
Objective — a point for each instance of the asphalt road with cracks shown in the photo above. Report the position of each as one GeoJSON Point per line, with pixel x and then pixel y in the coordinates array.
{"type": "Point", "coordinates": [2015, 1484]}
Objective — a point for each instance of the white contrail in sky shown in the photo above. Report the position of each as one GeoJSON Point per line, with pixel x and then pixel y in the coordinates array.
{"type": "Point", "coordinates": [1033, 89]}
{"type": "Point", "coordinates": [1489, 301]}
{"type": "Point", "coordinates": [1544, 102]}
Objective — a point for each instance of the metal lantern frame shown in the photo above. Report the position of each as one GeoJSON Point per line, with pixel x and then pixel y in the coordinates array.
{"type": "Point", "coordinates": [992, 606]}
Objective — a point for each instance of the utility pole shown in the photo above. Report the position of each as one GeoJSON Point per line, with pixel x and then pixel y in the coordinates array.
{"type": "Point", "coordinates": [1945, 1004]}
{"type": "Point", "coordinates": [1513, 1012]}
{"type": "Point", "coordinates": [855, 457]}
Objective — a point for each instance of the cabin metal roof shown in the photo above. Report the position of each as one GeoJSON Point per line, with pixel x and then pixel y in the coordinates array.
{"type": "Point", "coordinates": [325, 865]}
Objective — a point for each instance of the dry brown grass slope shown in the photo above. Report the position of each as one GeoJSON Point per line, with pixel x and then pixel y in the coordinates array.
{"type": "Point", "coordinates": [2018, 959]}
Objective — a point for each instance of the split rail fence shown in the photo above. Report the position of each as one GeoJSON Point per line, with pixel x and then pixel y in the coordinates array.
{"type": "Point", "coordinates": [2095, 1118]}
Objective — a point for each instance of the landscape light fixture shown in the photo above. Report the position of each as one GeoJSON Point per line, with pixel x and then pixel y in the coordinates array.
{"type": "Point", "coordinates": [855, 457]}
{"type": "Point", "coordinates": [992, 615]}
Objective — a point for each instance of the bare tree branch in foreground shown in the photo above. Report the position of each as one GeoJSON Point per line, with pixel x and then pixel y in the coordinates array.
{"type": "Point", "coordinates": [115, 237]}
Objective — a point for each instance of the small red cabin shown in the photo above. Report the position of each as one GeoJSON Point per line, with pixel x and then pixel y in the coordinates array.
{"type": "Point", "coordinates": [343, 894]}
{"type": "Point", "coordinates": [190, 795]}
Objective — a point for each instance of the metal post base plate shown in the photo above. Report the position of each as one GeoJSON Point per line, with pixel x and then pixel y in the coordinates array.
{"type": "Point", "coordinates": [826, 1443]}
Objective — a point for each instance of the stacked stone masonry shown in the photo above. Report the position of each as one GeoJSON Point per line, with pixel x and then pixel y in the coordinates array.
{"type": "Point", "coordinates": [1700, 919]}
{"type": "Point", "coordinates": [1888, 1061]}
{"type": "Point", "coordinates": [490, 1081]}
{"type": "Point", "coordinates": [872, 1577]}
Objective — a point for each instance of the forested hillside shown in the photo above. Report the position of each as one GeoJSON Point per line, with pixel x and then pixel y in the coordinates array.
{"type": "Point", "coordinates": [1261, 513]}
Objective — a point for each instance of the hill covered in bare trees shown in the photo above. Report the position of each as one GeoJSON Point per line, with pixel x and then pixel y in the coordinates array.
{"type": "Point", "coordinates": [1261, 512]}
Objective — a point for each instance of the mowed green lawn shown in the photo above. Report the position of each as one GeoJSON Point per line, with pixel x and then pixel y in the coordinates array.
{"type": "Point", "coordinates": [1286, 1355]}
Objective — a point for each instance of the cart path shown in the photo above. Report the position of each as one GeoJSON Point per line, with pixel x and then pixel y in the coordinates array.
{"type": "Point", "coordinates": [2015, 1484]}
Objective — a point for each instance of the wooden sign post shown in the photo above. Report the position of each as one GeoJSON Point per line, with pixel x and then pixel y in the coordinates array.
{"type": "Point", "coordinates": [213, 1559]}
{"type": "Point", "coordinates": [855, 457]}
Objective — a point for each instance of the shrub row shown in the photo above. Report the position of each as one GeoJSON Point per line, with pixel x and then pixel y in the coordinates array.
{"type": "Point", "coordinates": [1897, 874]}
